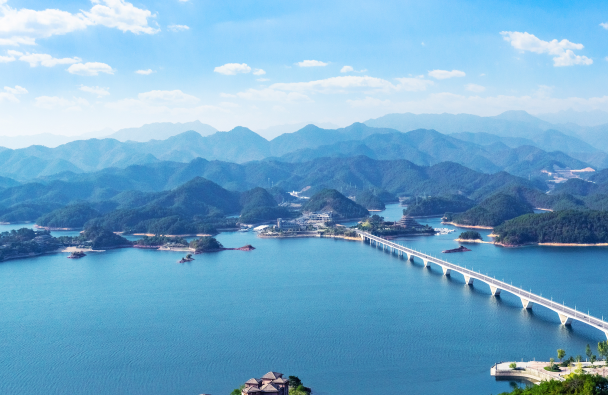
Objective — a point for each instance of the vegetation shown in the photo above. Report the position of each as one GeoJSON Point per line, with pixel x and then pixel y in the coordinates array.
{"type": "Point", "coordinates": [570, 226]}
{"type": "Point", "coordinates": [561, 353]}
{"type": "Point", "coordinates": [25, 241]}
{"type": "Point", "coordinates": [368, 199]}
{"type": "Point", "coordinates": [332, 200]}
{"type": "Point", "coordinates": [439, 205]}
{"type": "Point", "coordinates": [206, 244]}
{"type": "Point", "coordinates": [97, 238]}
{"type": "Point", "coordinates": [297, 388]}
{"type": "Point", "coordinates": [578, 384]}
{"type": "Point", "coordinates": [493, 211]}
{"type": "Point", "coordinates": [160, 241]}
{"type": "Point", "coordinates": [470, 235]}
{"type": "Point", "coordinates": [513, 365]}
{"type": "Point", "coordinates": [71, 216]}
{"type": "Point", "coordinates": [552, 366]}
{"type": "Point", "coordinates": [377, 226]}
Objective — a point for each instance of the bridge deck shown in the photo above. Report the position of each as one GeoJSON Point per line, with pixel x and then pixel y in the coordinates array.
{"type": "Point", "coordinates": [562, 310]}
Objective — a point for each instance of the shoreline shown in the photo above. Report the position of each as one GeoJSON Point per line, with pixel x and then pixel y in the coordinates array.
{"type": "Point", "coordinates": [473, 241]}
{"type": "Point", "coordinates": [186, 235]}
{"type": "Point", "coordinates": [467, 226]}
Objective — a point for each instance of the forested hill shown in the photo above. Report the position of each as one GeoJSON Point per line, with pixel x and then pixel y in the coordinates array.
{"type": "Point", "coordinates": [340, 205]}
{"type": "Point", "coordinates": [348, 175]}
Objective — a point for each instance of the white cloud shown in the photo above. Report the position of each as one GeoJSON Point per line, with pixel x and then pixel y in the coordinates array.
{"type": "Point", "coordinates": [445, 74]}
{"type": "Point", "coordinates": [10, 93]}
{"type": "Point", "coordinates": [233, 68]}
{"type": "Point", "coordinates": [90, 69]}
{"type": "Point", "coordinates": [17, 90]}
{"type": "Point", "coordinates": [561, 50]}
{"type": "Point", "coordinates": [228, 104]}
{"type": "Point", "coordinates": [96, 90]}
{"type": "Point", "coordinates": [120, 15]}
{"type": "Point", "coordinates": [6, 59]}
{"type": "Point", "coordinates": [178, 28]}
{"type": "Point", "coordinates": [144, 72]}
{"type": "Point", "coordinates": [15, 41]}
{"type": "Point", "coordinates": [262, 79]}
{"type": "Point", "coordinates": [346, 69]}
{"type": "Point", "coordinates": [344, 83]}
{"type": "Point", "coordinates": [369, 102]}
{"type": "Point", "coordinates": [51, 102]}
{"type": "Point", "coordinates": [226, 95]}
{"type": "Point", "coordinates": [312, 63]}
{"type": "Point", "coordinates": [168, 97]}
{"type": "Point", "coordinates": [604, 25]}
{"type": "Point", "coordinates": [259, 72]}
{"type": "Point", "coordinates": [46, 60]}
{"type": "Point", "coordinates": [269, 94]}
{"type": "Point", "coordinates": [474, 88]}
{"type": "Point", "coordinates": [23, 26]}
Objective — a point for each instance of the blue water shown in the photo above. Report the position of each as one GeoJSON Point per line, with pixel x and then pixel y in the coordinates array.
{"type": "Point", "coordinates": [345, 317]}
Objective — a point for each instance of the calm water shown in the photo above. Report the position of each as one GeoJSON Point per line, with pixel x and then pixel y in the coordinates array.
{"type": "Point", "coordinates": [345, 317]}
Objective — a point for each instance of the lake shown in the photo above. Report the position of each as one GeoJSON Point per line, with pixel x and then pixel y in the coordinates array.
{"type": "Point", "coordinates": [345, 317]}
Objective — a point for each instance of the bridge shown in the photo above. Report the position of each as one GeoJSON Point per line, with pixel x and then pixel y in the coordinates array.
{"type": "Point", "coordinates": [566, 314]}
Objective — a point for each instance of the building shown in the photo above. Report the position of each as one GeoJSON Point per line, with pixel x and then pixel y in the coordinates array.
{"type": "Point", "coordinates": [322, 216]}
{"type": "Point", "coordinates": [287, 225]}
{"type": "Point", "coordinates": [407, 222]}
{"type": "Point", "coordinates": [270, 383]}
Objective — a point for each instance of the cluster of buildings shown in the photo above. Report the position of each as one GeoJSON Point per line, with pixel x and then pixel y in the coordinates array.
{"type": "Point", "coordinates": [317, 220]}
{"type": "Point", "coordinates": [270, 383]}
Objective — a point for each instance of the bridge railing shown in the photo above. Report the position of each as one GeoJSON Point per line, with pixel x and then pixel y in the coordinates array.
{"type": "Point", "coordinates": [559, 308]}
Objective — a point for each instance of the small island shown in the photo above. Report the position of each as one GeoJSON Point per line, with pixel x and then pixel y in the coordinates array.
{"type": "Point", "coordinates": [187, 258]}
{"type": "Point", "coordinates": [490, 212]}
{"type": "Point", "coordinates": [470, 236]}
{"type": "Point", "coordinates": [77, 255]}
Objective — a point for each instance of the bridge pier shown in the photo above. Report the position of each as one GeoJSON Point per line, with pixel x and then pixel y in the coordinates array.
{"type": "Point", "coordinates": [410, 257]}
{"type": "Point", "coordinates": [468, 280]}
{"type": "Point", "coordinates": [426, 263]}
{"type": "Point", "coordinates": [495, 291]}
{"type": "Point", "coordinates": [446, 271]}
{"type": "Point", "coordinates": [565, 320]}
{"type": "Point", "coordinates": [526, 303]}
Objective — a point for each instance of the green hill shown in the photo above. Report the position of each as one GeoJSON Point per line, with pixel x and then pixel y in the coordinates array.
{"type": "Point", "coordinates": [493, 211]}
{"type": "Point", "coordinates": [569, 226]}
{"type": "Point", "coordinates": [439, 205]}
{"type": "Point", "coordinates": [332, 200]}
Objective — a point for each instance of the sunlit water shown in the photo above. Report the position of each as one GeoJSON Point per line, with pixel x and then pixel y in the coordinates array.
{"type": "Point", "coordinates": [345, 317]}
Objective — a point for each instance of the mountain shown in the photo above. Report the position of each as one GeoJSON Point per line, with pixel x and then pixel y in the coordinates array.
{"type": "Point", "coordinates": [493, 211]}
{"type": "Point", "coordinates": [277, 130]}
{"type": "Point", "coordinates": [508, 124]}
{"type": "Point", "coordinates": [161, 131]}
{"type": "Point", "coordinates": [581, 118]}
{"type": "Point", "coordinates": [428, 147]}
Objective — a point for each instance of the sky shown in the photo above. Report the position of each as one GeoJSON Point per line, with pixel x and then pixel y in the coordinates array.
{"type": "Point", "coordinates": [78, 66]}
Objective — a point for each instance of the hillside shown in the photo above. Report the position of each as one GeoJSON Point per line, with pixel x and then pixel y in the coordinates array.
{"type": "Point", "coordinates": [493, 211]}
{"type": "Point", "coordinates": [332, 200]}
{"type": "Point", "coordinates": [439, 205]}
{"type": "Point", "coordinates": [570, 226]}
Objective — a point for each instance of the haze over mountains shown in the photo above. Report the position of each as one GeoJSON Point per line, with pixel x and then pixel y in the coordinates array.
{"type": "Point", "coordinates": [515, 142]}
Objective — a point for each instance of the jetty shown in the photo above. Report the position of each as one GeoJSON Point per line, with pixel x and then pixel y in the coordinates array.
{"type": "Point", "coordinates": [566, 314]}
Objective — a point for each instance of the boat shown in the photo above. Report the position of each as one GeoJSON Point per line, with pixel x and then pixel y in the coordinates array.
{"type": "Point", "coordinates": [244, 229]}
{"type": "Point", "coordinates": [459, 249]}
{"type": "Point", "coordinates": [187, 258]}
{"type": "Point", "coordinates": [77, 255]}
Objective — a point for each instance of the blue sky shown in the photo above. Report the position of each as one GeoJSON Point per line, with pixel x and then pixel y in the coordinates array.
{"type": "Point", "coordinates": [72, 67]}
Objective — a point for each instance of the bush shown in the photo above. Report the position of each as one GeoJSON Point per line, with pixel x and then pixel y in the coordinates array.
{"type": "Point", "coordinates": [513, 365]}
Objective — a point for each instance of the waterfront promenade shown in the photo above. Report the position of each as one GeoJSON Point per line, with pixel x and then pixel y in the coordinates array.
{"type": "Point", "coordinates": [535, 372]}
{"type": "Point", "coordinates": [566, 314]}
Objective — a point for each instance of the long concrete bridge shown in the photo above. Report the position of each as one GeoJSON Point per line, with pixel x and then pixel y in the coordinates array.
{"type": "Point", "coordinates": [566, 314]}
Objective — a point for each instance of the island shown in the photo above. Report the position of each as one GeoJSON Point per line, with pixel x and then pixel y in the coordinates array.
{"type": "Point", "coordinates": [439, 205]}
{"type": "Point", "coordinates": [470, 236]}
{"type": "Point", "coordinates": [558, 228]}
{"type": "Point", "coordinates": [26, 243]}
{"type": "Point", "coordinates": [490, 212]}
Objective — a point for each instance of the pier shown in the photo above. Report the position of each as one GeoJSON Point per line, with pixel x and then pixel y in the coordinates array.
{"type": "Point", "coordinates": [528, 299]}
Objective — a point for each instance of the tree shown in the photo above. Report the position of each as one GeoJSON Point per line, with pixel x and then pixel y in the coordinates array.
{"type": "Point", "coordinates": [602, 349]}
{"type": "Point", "coordinates": [588, 352]}
{"type": "Point", "coordinates": [579, 358]}
{"type": "Point", "coordinates": [513, 365]}
{"type": "Point", "coordinates": [238, 391]}
{"type": "Point", "coordinates": [592, 359]}
{"type": "Point", "coordinates": [561, 353]}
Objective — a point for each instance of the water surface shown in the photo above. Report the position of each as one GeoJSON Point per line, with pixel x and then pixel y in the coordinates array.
{"type": "Point", "coordinates": [345, 317]}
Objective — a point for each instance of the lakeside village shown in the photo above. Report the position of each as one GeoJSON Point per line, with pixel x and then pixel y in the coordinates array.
{"type": "Point", "coordinates": [324, 224]}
